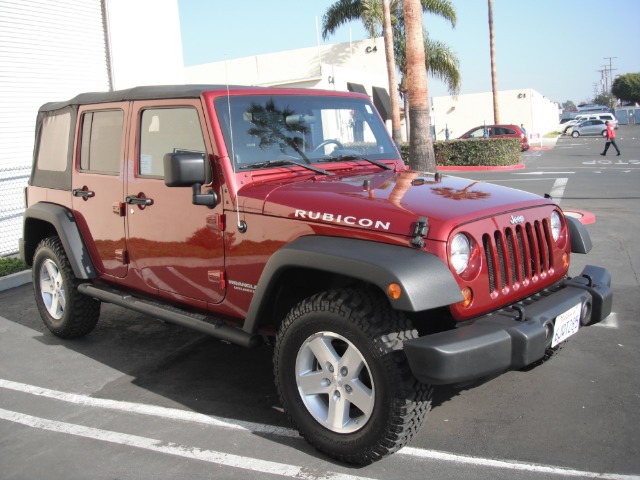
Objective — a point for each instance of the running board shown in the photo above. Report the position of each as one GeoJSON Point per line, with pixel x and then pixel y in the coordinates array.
{"type": "Point", "coordinates": [201, 323]}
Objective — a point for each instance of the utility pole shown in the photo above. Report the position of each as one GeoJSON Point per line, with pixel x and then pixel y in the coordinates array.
{"type": "Point", "coordinates": [610, 71]}
{"type": "Point", "coordinates": [603, 79]}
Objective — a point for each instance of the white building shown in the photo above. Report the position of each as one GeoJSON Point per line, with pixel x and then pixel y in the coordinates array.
{"type": "Point", "coordinates": [51, 50]}
{"type": "Point", "coordinates": [525, 106]}
{"type": "Point", "coordinates": [350, 66]}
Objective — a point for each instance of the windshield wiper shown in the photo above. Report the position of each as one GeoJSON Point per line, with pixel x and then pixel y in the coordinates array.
{"type": "Point", "coordinates": [280, 163]}
{"type": "Point", "coordinates": [344, 158]}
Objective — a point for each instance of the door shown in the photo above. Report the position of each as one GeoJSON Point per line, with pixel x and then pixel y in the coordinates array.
{"type": "Point", "coordinates": [98, 185]}
{"type": "Point", "coordinates": [175, 247]}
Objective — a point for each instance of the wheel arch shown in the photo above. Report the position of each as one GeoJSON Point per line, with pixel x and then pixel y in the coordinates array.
{"type": "Point", "coordinates": [43, 220]}
{"type": "Point", "coordinates": [425, 280]}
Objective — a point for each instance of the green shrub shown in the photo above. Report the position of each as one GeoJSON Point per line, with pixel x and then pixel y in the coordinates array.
{"type": "Point", "coordinates": [492, 152]}
{"type": "Point", "coordinates": [9, 265]}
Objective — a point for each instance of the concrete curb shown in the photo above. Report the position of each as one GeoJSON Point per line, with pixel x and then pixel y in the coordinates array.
{"type": "Point", "coordinates": [15, 280]}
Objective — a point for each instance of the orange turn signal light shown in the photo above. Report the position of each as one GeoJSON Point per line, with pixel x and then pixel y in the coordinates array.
{"type": "Point", "coordinates": [394, 291]}
{"type": "Point", "coordinates": [467, 293]}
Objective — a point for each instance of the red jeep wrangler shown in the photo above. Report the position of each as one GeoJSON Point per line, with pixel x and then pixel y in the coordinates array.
{"type": "Point", "coordinates": [256, 214]}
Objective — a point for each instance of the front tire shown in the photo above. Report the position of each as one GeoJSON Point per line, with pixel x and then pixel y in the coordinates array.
{"type": "Point", "coordinates": [575, 134]}
{"type": "Point", "coordinates": [343, 377]}
{"type": "Point", "coordinates": [66, 312]}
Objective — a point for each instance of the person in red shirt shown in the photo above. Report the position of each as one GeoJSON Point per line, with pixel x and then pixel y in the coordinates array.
{"type": "Point", "coordinates": [611, 139]}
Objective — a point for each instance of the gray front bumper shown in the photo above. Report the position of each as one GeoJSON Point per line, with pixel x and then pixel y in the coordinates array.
{"type": "Point", "coordinates": [510, 338]}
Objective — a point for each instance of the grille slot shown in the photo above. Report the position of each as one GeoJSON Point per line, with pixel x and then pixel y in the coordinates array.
{"type": "Point", "coordinates": [517, 254]}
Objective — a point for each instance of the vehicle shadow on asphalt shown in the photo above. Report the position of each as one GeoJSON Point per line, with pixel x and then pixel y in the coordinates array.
{"type": "Point", "coordinates": [171, 366]}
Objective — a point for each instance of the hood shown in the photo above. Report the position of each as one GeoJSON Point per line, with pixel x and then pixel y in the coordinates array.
{"type": "Point", "coordinates": [389, 202]}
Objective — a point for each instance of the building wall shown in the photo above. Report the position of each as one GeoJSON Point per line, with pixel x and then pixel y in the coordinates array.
{"type": "Point", "coordinates": [52, 50]}
{"type": "Point", "coordinates": [525, 106]}
{"type": "Point", "coordinates": [328, 67]}
{"type": "Point", "coordinates": [303, 65]}
{"type": "Point", "coordinates": [48, 51]}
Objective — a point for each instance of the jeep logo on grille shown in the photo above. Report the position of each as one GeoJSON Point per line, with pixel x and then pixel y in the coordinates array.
{"type": "Point", "coordinates": [517, 219]}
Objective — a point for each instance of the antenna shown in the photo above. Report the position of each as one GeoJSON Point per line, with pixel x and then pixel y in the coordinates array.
{"type": "Point", "coordinates": [241, 224]}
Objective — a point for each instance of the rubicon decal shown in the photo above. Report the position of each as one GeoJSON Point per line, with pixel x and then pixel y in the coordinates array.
{"type": "Point", "coordinates": [343, 220]}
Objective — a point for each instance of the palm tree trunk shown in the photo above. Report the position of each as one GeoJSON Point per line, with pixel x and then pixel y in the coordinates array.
{"type": "Point", "coordinates": [494, 75]}
{"type": "Point", "coordinates": [391, 72]}
{"type": "Point", "coordinates": [421, 155]}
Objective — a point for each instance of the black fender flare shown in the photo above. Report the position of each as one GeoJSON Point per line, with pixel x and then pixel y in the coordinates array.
{"type": "Point", "coordinates": [65, 224]}
{"type": "Point", "coordinates": [580, 239]}
{"type": "Point", "coordinates": [425, 280]}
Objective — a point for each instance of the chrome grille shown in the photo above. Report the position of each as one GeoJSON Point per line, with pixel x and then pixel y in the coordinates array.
{"type": "Point", "coordinates": [517, 254]}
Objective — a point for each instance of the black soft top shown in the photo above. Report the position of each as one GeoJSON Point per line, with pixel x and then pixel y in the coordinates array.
{"type": "Point", "coordinates": [152, 92]}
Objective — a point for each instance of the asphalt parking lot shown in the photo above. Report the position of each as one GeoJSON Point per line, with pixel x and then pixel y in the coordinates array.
{"type": "Point", "coordinates": [142, 399]}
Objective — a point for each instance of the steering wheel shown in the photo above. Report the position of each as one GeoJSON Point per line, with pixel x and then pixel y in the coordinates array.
{"type": "Point", "coordinates": [328, 142]}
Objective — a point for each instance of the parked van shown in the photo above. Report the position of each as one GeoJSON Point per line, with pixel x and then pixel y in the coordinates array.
{"type": "Point", "coordinates": [604, 116]}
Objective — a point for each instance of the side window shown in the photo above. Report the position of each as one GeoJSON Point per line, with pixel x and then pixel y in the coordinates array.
{"type": "Point", "coordinates": [101, 141]}
{"type": "Point", "coordinates": [508, 131]}
{"type": "Point", "coordinates": [167, 130]}
{"type": "Point", "coordinates": [477, 133]}
{"type": "Point", "coordinates": [53, 147]}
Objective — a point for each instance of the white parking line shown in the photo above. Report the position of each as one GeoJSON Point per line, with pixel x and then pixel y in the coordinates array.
{"type": "Point", "coordinates": [557, 191]}
{"type": "Point", "coordinates": [523, 467]}
{"type": "Point", "coordinates": [234, 460]}
{"type": "Point", "coordinates": [211, 456]}
{"type": "Point", "coordinates": [151, 410]}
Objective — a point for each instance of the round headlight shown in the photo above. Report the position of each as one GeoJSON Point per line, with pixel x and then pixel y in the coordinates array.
{"type": "Point", "coordinates": [556, 225]}
{"type": "Point", "coordinates": [460, 252]}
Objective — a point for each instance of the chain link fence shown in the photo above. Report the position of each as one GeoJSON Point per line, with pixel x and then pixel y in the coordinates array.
{"type": "Point", "coordinates": [12, 183]}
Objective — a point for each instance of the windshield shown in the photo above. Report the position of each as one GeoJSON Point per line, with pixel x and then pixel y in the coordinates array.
{"type": "Point", "coordinates": [307, 129]}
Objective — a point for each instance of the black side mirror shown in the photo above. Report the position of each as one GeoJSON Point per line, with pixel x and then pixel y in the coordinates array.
{"type": "Point", "coordinates": [188, 170]}
{"type": "Point", "coordinates": [184, 169]}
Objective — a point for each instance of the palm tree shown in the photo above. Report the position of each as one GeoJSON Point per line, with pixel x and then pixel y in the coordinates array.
{"type": "Point", "coordinates": [372, 13]}
{"type": "Point", "coordinates": [442, 63]}
{"type": "Point", "coordinates": [494, 75]}
{"type": "Point", "coordinates": [387, 32]}
{"type": "Point", "coordinates": [421, 155]}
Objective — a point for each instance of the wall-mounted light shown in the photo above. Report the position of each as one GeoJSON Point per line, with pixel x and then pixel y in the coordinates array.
{"type": "Point", "coordinates": [331, 79]}
{"type": "Point", "coordinates": [371, 49]}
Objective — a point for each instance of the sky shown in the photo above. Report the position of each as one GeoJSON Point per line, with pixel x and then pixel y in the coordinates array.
{"type": "Point", "coordinates": [556, 47]}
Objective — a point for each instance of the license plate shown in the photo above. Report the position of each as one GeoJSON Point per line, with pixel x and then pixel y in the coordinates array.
{"type": "Point", "coordinates": [567, 324]}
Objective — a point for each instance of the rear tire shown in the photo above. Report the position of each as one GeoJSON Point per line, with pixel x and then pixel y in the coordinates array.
{"type": "Point", "coordinates": [604, 133]}
{"type": "Point", "coordinates": [66, 312]}
{"type": "Point", "coordinates": [343, 377]}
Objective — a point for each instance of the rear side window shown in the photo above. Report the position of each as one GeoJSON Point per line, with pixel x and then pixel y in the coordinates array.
{"type": "Point", "coordinates": [167, 130]}
{"type": "Point", "coordinates": [101, 141]}
{"type": "Point", "coordinates": [53, 149]}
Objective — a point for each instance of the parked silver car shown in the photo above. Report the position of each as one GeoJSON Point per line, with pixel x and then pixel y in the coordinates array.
{"type": "Point", "coordinates": [588, 127]}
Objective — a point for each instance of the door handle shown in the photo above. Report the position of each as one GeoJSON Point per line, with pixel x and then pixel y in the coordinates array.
{"type": "Point", "coordinates": [83, 192]}
{"type": "Point", "coordinates": [141, 201]}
